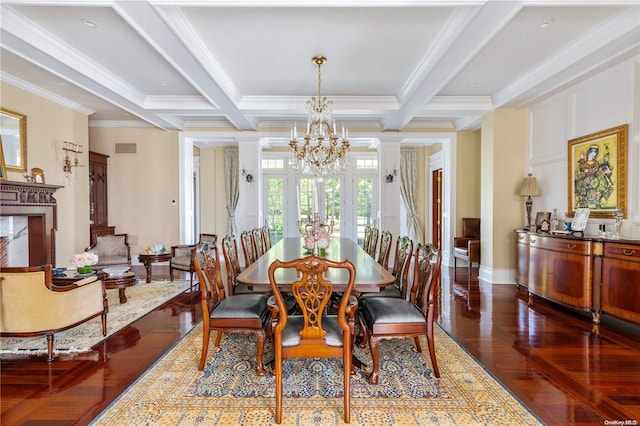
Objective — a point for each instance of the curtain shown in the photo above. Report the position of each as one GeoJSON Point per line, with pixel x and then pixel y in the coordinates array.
{"type": "Point", "coordinates": [408, 176]}
{"type": "Point", "coordinates": [232, 186]}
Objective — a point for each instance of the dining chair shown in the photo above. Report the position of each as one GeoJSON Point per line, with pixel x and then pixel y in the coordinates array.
{"type": "Point", "coordinates": [367, 238]}
{"type": "Point", "coordinates": [181, 256]}
{"type": "Point", "coordinates": [266, 237]}
{"type": "Point", "coordinates": [404, 250]}
{"type": "Point", "coordinates": [248, 247]}
{"type": "Point", "coordinates": [392, 318]}
{"type": "Point", "coordinates": [243, 313]}
{"type": "Point", "coordinates": [258, 242]}
{"type": "Point", "coordinates": [232, 265]}
{"type": "Point", "coordinates": [373, 242]}
{"type": "Point", "coordinates": [385, 249]}
{"type": "Point", "coordinates": [313, 333]}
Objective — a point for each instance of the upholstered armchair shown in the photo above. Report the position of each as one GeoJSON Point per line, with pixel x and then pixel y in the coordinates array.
{"type": "Point", "coordinates": [467, 246]}
{"type": "Point", "coordinates": [181, 255]}
{"type": "Point", "coordinates": [112, 250]}
{"type": "Point", "coordinates": [31, 305]}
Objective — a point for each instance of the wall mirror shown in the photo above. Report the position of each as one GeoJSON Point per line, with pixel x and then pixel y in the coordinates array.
{"type": "Point", "coordinates": [13, 132]}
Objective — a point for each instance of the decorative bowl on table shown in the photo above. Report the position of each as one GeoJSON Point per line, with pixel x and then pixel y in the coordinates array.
{"type": "Point", "coordinates": [58, 272]}
{"type": "Point", "coordinates": [116, 271]}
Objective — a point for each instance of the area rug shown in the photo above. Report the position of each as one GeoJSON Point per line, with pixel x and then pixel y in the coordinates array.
{"type": "Point", "coordinates": [228, 392]}
{"type": "Point", "coordinates": [142, 298]}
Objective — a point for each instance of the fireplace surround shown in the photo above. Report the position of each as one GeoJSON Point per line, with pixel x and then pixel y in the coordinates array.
{"type": "Point", "coordinates": [36, 203]}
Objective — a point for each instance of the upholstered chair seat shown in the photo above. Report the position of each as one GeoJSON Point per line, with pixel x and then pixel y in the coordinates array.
{"type": "Point", "coordinates": [242, 306]}
{"type": "Point", "coordinates": [387, 310]}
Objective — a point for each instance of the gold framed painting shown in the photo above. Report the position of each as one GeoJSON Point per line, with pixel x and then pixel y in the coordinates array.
{"type": "Point", "coordinates": [597, 172]}
{"type": "Point", "coordinates": [3, 168]}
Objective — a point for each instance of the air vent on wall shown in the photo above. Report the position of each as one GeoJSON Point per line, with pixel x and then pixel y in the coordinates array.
{"type": "Point", "coordinates": [125, 148]}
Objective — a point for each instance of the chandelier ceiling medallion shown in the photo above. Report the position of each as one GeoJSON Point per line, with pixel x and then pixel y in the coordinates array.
{"type": "Point", "coordinates": [322, 153]}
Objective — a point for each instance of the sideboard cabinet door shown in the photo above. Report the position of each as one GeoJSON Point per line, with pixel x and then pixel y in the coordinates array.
{"type": "Point", "coordinates": [561, 269]}
{"type": "Point", "coordinates": [522, 254]}
{"type": "Point", "coordinates": [621, 281]}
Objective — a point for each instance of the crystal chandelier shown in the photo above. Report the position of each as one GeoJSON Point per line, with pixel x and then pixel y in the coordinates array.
{"type": "Point", "coordinates": [320, 155]}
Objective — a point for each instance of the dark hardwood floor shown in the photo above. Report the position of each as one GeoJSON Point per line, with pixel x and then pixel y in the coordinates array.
{"type": "Point", "coordinates": [563, 368]}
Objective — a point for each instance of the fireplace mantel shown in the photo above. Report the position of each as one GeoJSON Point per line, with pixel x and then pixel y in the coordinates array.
{"type": "Point", "coordinates": [35, 201]}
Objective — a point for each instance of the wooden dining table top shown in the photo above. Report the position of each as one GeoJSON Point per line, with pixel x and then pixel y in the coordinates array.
{"type": "Point", "coordinates": [370, 276]}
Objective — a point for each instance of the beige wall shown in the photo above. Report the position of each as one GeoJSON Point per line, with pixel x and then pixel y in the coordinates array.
{"type": "Point", "coordinates": [468, 182]}
{"type": "Point", "coordinates": [49, 125]}
{"type": "Point", "coordinates": [143, 185]}
{"type": "Point", "coordinates": [504, 137]}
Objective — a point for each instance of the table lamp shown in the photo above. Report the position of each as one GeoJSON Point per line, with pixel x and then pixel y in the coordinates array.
{"type": "Point", "coordinates": [529, 189]}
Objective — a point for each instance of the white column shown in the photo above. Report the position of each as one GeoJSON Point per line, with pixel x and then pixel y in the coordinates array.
{"type": "Point", "coordinates": [389, 192]}
{"type": "Point", "coordinates": [249, 211]}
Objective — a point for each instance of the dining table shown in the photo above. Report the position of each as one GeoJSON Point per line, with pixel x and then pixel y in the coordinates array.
{"type": "Point", "coordinates": [370, 276]}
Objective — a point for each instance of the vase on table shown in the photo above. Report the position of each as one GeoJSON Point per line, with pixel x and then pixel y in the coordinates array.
{"type": "Point", "coordinates": [86, 269]}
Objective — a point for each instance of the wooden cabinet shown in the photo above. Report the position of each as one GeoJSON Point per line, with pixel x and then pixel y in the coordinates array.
{"type": "Point", "coordinates": [561, 269]}
{"type": "Point", "coordinates": [621, 281]}
{"type": "Point", "coordinates": [98, 203]}
{"type": "Point", "coordinates": [587, 274]}
{"type": "Point", "coordinates": [522, 255]}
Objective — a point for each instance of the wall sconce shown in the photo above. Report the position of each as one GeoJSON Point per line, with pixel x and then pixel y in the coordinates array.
{"type": "Point", "coordinates": [248, 177]}
{"type": "Point", "coordinates": [68, 164]}
{"type": "Point", "coordinates": [389, 178]}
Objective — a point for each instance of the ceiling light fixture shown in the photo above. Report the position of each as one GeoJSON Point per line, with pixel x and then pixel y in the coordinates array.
{"type": "Point", "coordinates": [315, 157]}
{"type": "Point", "coordinates": [545, 23]}
{"type": "Point", "coordinates": [89, 23]}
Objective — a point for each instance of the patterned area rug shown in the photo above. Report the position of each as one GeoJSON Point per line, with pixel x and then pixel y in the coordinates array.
{"type": "Point", "coordinates": [142, 298]}
{"type": "Point", "coordinates": [228, 392]}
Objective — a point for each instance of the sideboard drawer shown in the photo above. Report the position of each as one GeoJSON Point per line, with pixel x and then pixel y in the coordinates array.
{"type": "Point", "coordinates": [621, 251]}
{"type": "Point", "coordinates": [565, 245]}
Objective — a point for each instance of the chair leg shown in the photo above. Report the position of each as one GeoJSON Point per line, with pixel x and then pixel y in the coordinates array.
{"type": "Point", "coordinates": [170, 273]}
{"type": "Point", "coordinates": [49, 347]}
{"type": "Point", "coordinates": [364, 334]}
{"type": "Point", "coordinates": [432, 349]}
{"type": "Point", "coordinates": [373, 347]}
{"type": "Point", "coordinates": [205, 347]}
{"type": "Point", "coordinates": [418, 347]}
{"type": "Point", "coordinates": [260, 339]}
{"type": "Point", "coordinates": [219, 339]}
{"type": "Point", "coordinates": [278, 365]}
{"type": "Point", "coordinates": [347, 384]}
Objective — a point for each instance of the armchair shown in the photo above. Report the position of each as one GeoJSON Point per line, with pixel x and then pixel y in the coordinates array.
{"type": "Point", "coordinates": [30, 305]}
{"type": "Point", "coordinates": [467, 246]}
{"type": "Point", "coordinates": [181, 255]}
{"type": "Point", "coordinates": [112, 250]}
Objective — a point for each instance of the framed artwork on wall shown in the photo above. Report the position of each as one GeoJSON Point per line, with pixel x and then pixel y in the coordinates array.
{"type": "Point", "coordinates": [597, 172]}
{"type": "Point", "coordinates": [3, 169]}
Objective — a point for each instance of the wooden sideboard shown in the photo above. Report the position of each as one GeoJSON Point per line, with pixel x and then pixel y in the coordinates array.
{"type": "Point", "coordinates": [589, 274]}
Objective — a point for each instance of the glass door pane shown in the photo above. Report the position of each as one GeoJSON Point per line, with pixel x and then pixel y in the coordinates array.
{"type": "Point", "coordinates": [365, 205]}
{"type": "Point", "coordinates": [332, 204]}
{"type": "Point", "coordinates": [275, 206]}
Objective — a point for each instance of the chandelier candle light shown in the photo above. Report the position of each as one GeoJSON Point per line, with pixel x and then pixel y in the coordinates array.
{"type": "Point", "coordinates": [314, 157]}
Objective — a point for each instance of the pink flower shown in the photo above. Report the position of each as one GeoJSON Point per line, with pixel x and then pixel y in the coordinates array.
{"type": "Point", "coordinates": [84, 259]}
{"type": "Point", "coordinates": [309, 241]}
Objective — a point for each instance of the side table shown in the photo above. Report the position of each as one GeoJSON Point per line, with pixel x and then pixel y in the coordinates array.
{"type": "Point", "coordinates": [148, 259]}
{"type": "Point", "coordinates": [111, 282]}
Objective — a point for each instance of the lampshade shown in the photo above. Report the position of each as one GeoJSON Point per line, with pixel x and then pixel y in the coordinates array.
{"type": "Point", "coordinates": [529, 187]}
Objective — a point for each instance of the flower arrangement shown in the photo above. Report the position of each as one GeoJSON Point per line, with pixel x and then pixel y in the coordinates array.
{"type": "Point", "coordinates": [323, 240]}
{"type": "Point", "coordinates": [84, 259]}
{"type": "Point", "coordinates": [309, 241]}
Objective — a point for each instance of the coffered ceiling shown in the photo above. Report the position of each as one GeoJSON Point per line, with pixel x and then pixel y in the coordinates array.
{"type": "Point", "coordinates": [246, 65]}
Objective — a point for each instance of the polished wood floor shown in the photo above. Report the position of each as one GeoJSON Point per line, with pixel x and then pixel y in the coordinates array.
{"type": "Point", "coordinates": [564, 369]}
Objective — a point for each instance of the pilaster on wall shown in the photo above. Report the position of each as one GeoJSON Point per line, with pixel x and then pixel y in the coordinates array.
{"type": "Point", "coordinates": [503, 153]}
{"type": "Point", "coordinates": [389, 192]}
{"type": "Point", "coordinates": [249, 210]}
